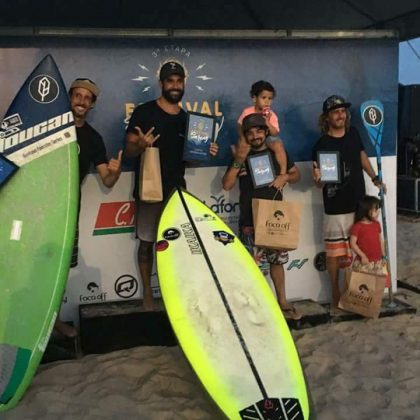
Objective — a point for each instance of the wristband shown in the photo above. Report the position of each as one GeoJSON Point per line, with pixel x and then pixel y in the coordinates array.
{"type": "Point", "coordinates": [375, 179]}
{"type": "Point", "coordinates": [236, 165]}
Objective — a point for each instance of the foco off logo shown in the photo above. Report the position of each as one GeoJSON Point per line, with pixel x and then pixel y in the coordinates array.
{"type": "Point", "coordinates": [363, 295]}
{"type": "Point", "coordinates": [92, 294]}
{"type": "Point", "coordinates": [116, 217]}
{"type": "Point", "coordinates": [277, 224]}
{"type": "Point", "coordinates": [198, 77]}
{"type": "Point", "coordinates": [43, 89]}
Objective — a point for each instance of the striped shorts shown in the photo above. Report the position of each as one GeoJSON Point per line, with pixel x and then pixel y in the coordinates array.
{"type": "Point", "coordinates": [337, 234]}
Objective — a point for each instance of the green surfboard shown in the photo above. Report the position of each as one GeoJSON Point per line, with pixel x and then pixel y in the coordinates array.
{"type": "Point", "coordinates": [38, 211]}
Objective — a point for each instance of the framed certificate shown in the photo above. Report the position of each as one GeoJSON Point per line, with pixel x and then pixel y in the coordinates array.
{"type": "Point", "coordinates": [261, 168]}
{"type": "Point", "coordinates": [199, 134]}
{"type": "Point", "coordinates": [329, 165]}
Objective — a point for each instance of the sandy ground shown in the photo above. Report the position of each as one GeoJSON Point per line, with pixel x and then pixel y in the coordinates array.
{"type": "Point", "coordinates": [355, 370]}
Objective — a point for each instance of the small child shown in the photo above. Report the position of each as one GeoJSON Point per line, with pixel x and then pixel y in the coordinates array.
{"type": "Point", "coordinates": [366, 239]}
{"type": "Point", "coordinates": [262, 94]}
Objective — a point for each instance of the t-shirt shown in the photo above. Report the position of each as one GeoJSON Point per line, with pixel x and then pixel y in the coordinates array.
{"type": "Point", "coordinates": [170, 143]}
{"type": "Point", "coordinates": [368, 239]}
{"type": "Point", "coordinates": [342, 198]}
{"type": "Point", "coordinates": [91, 149]}
{"type": "Point", "coordinates": [274, 121]}
{"type": "Point", "coordinates": [247, 191]}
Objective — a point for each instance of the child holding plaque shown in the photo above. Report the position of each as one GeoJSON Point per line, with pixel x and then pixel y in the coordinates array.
{"type": "Point", "coordinates": [262, 95]}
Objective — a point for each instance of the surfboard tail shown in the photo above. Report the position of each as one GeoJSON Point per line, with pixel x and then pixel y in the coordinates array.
{"type": "Point", "coordinates": [274, 409]}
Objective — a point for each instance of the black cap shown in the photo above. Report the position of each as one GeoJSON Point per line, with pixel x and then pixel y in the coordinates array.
{"type": "Point", "coordinates": [334, 102]}
{"type": "Point", "coordinates": [253, 120]}
{"type": "Point", "coordinates": [170, 68]}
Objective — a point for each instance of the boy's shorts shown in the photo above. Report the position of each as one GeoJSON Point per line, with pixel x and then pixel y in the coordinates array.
{"type": "Point", "coordinates": [147, 219]}
{"type": "Point", "coordinates": [262, 256]}
{"type": "Point", "coordinates": [336, 229]}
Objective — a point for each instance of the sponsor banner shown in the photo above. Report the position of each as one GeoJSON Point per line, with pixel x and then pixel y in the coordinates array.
{"type": "Point", "coordinates": [212, 88]}
{"type": "Point", "coordinates": [116, 217]}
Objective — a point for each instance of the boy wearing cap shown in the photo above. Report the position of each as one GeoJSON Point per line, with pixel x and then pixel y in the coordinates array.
{"type": "Point", "coordinates": [161, 123]}
{"type": "Point", "coordinates": [340, 199]}
{"type": "Point", "coordinates": [83, 94]}
{"type": "Point", "coordinates": [255, 131]}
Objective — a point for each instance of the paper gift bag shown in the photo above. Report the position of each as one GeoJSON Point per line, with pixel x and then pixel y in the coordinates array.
{"type": "Point", "coordinates": [150, 181]}
{"type": "Point", "coordinates": [276, 223]}
{"type": "Point", "coordinates": [379, 268]}
{"type": "Point", "coordinates": [364, 294]}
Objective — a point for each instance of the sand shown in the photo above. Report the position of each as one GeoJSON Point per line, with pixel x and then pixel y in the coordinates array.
{"type": "Point", "coordinates": [355, 370]}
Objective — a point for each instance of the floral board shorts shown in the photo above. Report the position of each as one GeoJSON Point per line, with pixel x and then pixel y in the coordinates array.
{"type": "Point", "coordinates": [262, 256]}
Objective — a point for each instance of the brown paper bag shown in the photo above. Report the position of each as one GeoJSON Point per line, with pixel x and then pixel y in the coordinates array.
{"type": "Point", "coordinates": [150, 181]}
{"type": "Point", "coordinates": [364, 294]}
{"type": "Point", "coordinates": [276, 223]}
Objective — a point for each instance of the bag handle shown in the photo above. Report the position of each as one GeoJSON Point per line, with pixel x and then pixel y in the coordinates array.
{"type": "Point", "coordinates": [275, 195]}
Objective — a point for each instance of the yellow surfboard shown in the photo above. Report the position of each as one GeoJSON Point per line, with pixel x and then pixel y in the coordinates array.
{"type": "Point", "coordinates": [226, 317]}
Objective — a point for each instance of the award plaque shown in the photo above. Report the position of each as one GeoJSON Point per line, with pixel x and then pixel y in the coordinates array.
{"type": "Point", "coordinates": [199, 134]}
{"type": "Point", "coordinates": [329, 165]}
{"type": "Point", "coordinates": [262, 170]}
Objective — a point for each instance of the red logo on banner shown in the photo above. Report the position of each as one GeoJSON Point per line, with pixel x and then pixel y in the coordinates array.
{"type": "Point", "coordinates": [117, 217]}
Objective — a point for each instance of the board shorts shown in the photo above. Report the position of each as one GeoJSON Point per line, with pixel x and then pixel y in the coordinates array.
{"type": "Point", "coordinates": [147, 219]}
{"type": "Point", "coordinates": [262, 256]}
{"type": "Point", "coordinates": [336, 232]}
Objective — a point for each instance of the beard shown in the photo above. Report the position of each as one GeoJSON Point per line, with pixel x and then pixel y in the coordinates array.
{"type": "Point", "coordinates": [79, 113]}
{"type": "Point", "coordinates": [338, 124]}
{"type": "Point", "coordinates": [257, 143]}
{"type": "Point", "coordinates": [173, 96]}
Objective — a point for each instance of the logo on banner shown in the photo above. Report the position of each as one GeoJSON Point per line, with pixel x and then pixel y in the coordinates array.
{"type": "Point", "coordinates": [320, 261]}
{"type": "Point", "coordinates": [297, 264]}
{"type": "Point", "coordinates": [92, 287]}
{"type": "Point", "coordinates": [43, 89]}
{"type": "Point", "coordinates": [126, 286]}
{"type": "Point", "coordinates": [228, 211]}
{"type": "Point", "coordinates": [116, 217]}
{"type": "Point", "coordinates": [220, 206]}
{"type": "Point", "coordinates": [93, 296]}
{"type": "Point", "coordinates": [196, 76]}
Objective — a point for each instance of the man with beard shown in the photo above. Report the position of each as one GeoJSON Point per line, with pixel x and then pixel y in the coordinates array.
{"type": "Point", "coordinates": [340, 199]}
{"type": "Point", "coordinates": [83, 94]}
{"type": "Point", "coordinates": [161, 123]}
{"type": "Point", "coordinates": [255, 130]}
